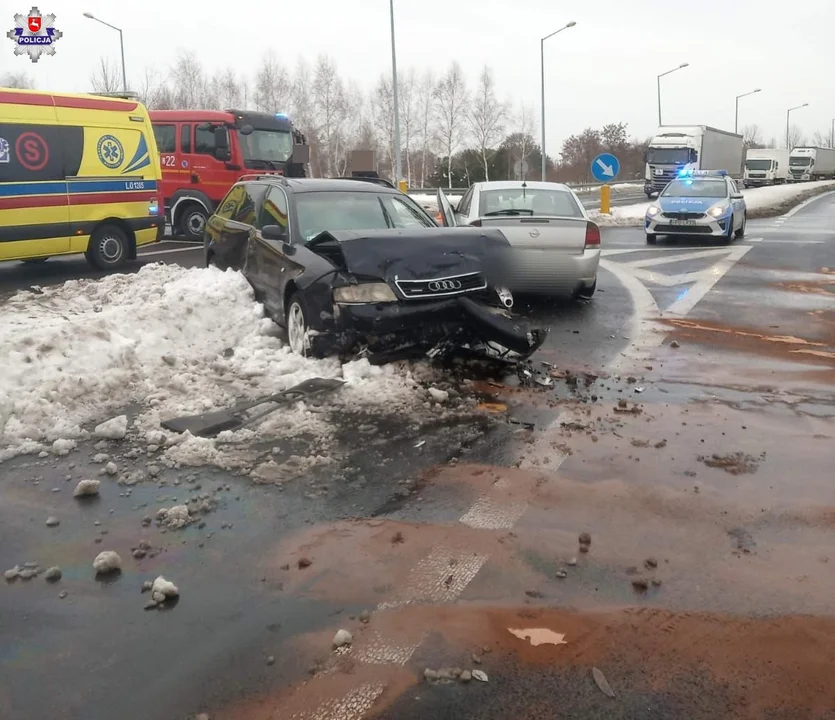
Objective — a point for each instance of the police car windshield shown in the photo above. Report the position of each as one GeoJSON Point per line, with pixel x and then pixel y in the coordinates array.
{"type": "Point", "coordinates": [696, 188]}
{"type": "Point", "coordinates": [269, 146]}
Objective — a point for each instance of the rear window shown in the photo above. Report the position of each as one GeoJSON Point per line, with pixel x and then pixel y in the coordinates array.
{"type": "Point", "coordinates": [527, 201]}
{"type": "Point", "coordinates": [319, 211]}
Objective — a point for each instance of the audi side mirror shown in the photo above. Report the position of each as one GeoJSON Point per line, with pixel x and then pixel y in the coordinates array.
{"type": "Point", "coordinates": [274, 232]}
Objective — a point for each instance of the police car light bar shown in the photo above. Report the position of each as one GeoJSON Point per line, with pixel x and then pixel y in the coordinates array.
{"type": "Point", "coordinates": [686, 172]}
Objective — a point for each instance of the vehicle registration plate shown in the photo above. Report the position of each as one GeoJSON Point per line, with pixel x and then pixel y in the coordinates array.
{"type": "Point", "coordinates": [682, 222]}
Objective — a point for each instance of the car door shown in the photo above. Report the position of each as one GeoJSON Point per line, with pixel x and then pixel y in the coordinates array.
{"type": "Point", "coordinates": [462, 211]}
{"type": "Point", "coordinates": [445, 210]}
{"type": "Point", "coordinates": [271, 261]}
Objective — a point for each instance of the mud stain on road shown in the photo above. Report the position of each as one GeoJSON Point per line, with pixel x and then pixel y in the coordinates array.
{"type": "Point", "coordinates": [824, 287]}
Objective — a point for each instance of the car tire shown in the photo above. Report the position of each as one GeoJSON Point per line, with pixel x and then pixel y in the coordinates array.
{"type": "Point", "coordinates": [109, 248]}
{"type": "Point", "coordinates": [296, 326]}
{"type": "Point", "coordinates": [728, 237]}
{"type": "Point", "coordinates": [741, 232]}
{"type": "Point", "coordinates": [586, 293]}
{"type": "Point", "coordinates": [192, 221]}
{"type": "Point", "coordinates": [651, 239]}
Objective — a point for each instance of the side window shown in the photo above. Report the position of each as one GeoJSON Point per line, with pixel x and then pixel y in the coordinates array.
{"type": "Point", "coordinates": [464, 203]}
{"type": "Point", "coordinates": [166, 136]}
{"type": "Point", "coordinates": [403, 214]}
{"type": "Point", "coordinates": [185, 139]}
{"type": "Point", "coordinates": [229, 205]}
{"type": "Point", "coordinates": [204, 141]}
{"type": "Point", "coordinates": [274, 210]}
{"type": "Point", "coordinates": [252, 197]}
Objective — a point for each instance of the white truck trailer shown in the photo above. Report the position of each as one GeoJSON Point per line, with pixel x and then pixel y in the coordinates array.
{"type": "Point", "coordinates": [811, 163]}
{"type": "Point", "coordinates": [678, 149]}
{"type": "Point", "coordinates": [765, 166]}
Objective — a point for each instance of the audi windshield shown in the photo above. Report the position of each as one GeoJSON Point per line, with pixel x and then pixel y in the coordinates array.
{"type": "Point", "coordinates": [317, 212]}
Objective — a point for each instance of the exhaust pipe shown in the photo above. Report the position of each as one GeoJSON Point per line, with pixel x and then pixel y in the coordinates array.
{"type": "Point", "coordinates": [505, 297]}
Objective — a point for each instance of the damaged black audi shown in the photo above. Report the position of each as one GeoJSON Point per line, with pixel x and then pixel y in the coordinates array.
{"type": "Point", "coordinates": [357, 268]}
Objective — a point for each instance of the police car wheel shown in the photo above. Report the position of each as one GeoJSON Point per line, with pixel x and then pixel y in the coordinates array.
{"type": "Point", "coordinates": [651, 239]}
{"type": "Point", "coordinates": [109, 247]}
{"type": "Point", "coordinates": [741, 232]}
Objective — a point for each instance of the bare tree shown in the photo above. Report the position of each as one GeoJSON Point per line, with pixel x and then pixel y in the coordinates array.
{"type": "Point", "coordinates": [486, 118]}
{"type": "Point", "coordinates": [524, 129]}
{"type": "Point", "coordinates": [189, 83]}
{"type": "Point", "coordinates": [751, 136]}
{"type": "Point", "coordinates": [229, 89]}
{"type": "Point", "coordinates": [425, 114]}
{"type": "Point", "coordinates": [151, 89]}
{"type": "Point", "coordinates": [105, 78]}
{"type": "Point", "coordinates": [273, 87]}
{"type": "Point", "coordinates": [451, 112]}
{"type": "Point", "coordinates": [407, 87]}
{"type": "Point", "coordinates": [19, 81]}
{"type": "Point", "coordinates": [795, 137]}
{"type": "Point", "coordinates": [329, 102]}
{"type": "Point", "coordinates": [820, 139]}
{"type": "Point", "coordinates": [382, 115]}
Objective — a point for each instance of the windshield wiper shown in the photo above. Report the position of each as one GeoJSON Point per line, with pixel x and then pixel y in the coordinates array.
{"type": "Point", "coordinates": [509, 211]}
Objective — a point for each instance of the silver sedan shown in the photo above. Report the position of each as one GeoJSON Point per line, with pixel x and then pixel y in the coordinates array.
{"type": "Point", "coordinates": [556, 248]}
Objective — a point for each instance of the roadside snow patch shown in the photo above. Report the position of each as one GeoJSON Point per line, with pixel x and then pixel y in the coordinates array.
{"type": "Point", "coordinates": [169, 341]}
{"type": "Point", "coordinates": [761, 202]}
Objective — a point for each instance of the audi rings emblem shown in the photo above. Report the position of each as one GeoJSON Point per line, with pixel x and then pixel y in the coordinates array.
{"type": "Point", "coordinates": [438, 285]}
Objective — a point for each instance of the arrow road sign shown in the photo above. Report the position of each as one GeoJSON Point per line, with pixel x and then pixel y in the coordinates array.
{"type": "Point", "coordinates": [605, 167]}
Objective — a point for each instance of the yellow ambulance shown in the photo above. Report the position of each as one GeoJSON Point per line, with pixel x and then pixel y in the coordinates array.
{"type": "Point", "coordinates": [78, 174]}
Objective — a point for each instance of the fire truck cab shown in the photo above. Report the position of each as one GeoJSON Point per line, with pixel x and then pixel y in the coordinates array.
{"type": "Point", "coordinates": [204, 152]}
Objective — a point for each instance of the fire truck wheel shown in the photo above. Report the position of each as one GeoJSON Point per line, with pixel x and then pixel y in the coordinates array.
{"type": "Point", "coordinates": [193, 221]}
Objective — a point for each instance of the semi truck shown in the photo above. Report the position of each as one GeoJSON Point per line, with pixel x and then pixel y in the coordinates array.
{"type": "Point", "coordinates": [204, 152]}
{"type": "Point", "coordinates": [676, 150]}
{"type": "Point", "coordinates": [811, 163]}
{"type": "Point", "coordinates": [765, 166]}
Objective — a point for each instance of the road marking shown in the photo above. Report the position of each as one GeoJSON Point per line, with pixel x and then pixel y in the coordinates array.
{"type": "Point", "coordinates": [488, 513]}
{"type": "Point", "coordinates": [708, 278]}
{"type": "Point", "coordinates": [351, 707]}
{"type": "Point", "coordinates": [379, 651]}
{"type": "Point", "coordinates": [754, 239]}
{"type": "Point", "coordinates": [650, 262]}
{"type": "Point", "coordinates": [798, 208]}
{"type": "Point", "coordinates": [167, 252]}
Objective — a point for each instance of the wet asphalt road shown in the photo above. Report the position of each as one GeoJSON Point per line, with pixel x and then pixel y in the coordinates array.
{"type": "Point", "coordinates": [738, 627]}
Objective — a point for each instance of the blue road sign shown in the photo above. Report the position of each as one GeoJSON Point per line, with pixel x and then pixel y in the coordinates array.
{"type": "Point", "coordinates": [605, 167]}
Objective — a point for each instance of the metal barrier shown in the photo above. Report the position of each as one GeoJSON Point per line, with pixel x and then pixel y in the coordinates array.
{"type": "Point", "coordinates": [577, 187]}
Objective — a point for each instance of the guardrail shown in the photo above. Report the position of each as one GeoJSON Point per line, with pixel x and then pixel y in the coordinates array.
{"type": "Point", "coordinates": [577, 187]}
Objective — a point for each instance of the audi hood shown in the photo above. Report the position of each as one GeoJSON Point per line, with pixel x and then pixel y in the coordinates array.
{"type": "Point", "coordinates": [414, 254]}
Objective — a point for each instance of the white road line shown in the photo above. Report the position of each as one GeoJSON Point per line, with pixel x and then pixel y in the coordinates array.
{"type": "Point", "coordinates": [753, 239]}
{"type": "Point", "coordinates": [167, 252]}
{"type": "Point", "coordinates": [692, 296]}
{"type": "Point", "coordinates": [351, 707]}
{"type": "Point", "coordinates": [380, 651]}
{"type": "Point", "coordinates": [440, 577]}
{"type": "Point", "coordinates": [798, 208]}
{"type": "Point", "coordinates": [489, 513]}
{"type": "Point", "coordinates": [698, 254]}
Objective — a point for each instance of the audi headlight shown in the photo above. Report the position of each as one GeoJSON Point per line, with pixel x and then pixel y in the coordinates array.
{"type": "Point", "coordinates": [718, 210]}
{"type": "Point", "coordinates": [364, 293]}
{"type": "Point", "coordinates": [652, 211]}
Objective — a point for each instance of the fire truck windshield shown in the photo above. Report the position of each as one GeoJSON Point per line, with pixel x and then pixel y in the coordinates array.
{"type": "Point", "coordinates": [266, 147]}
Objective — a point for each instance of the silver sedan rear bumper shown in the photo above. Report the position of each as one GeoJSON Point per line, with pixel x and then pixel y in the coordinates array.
{"type": "Point", "coordinates": [550, 272]}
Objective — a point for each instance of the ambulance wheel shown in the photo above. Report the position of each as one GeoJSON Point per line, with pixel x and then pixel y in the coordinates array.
{"type": "Point", "coordinates": [109, 248]}
{"type": "Point", "coordinates": [193, 221]}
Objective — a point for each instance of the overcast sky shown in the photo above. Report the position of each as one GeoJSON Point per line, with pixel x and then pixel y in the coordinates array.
{"type": "Point", "coordinates": [603, 70]}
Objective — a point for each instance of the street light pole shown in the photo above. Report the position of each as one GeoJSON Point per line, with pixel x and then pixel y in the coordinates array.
{"type": "Point", "coordinates": [398, 167]}
{"type": "Point", "coordinates": [789, 112]}
{"type": "Point", "coordinates": [542, 99]}
{"type": "Point", "coordinates": [658, 82]}
{"type": "Point", "coordinates": [736, 111]}
{"type": "Point", "coordinates": [121, 45]}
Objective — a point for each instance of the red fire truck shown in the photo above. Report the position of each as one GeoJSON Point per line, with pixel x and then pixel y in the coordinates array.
{"type": "Point", "coordinates": [204, 152]}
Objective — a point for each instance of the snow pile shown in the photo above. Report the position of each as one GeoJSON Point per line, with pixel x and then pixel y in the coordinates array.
{"type": "Point", "coordinates": [175, 341]}
{"type": "Point", "coordinates": [760, 201]}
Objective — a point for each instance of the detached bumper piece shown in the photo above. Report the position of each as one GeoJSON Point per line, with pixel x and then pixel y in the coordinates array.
{"type": "Point", "coordinates": [458, 326]}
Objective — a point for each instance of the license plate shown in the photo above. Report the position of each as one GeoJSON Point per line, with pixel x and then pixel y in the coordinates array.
{"type": "Point", "coordinates": [682, 222]}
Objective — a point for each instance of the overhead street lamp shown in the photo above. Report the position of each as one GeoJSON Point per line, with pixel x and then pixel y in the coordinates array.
{"type": "Point", "coordinates": [398, 167]}
{"type": "Point", "coordinates": [789, 112]}
{"type": "Point", "coordinates": [542, 62]}
{"type": "Point", "coordinates": [121, 44]}
{"type": "Point", "coordinates": [736, 112]}
{"type": "Point", "coordinates": [680, 67]}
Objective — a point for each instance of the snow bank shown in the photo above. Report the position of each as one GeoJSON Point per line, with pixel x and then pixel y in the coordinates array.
{"type": "Point", "coordinates": [170, 340]}
{"type": "Point", "coordinates": [762, 202]}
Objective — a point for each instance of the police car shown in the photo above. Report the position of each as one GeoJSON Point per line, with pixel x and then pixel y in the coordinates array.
{"type": "Point", "coordinates": [707, 203]}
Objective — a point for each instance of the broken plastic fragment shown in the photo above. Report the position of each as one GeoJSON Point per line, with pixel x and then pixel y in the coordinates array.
{"type": "Point", "coordinates": [480, 675]}
{"type": "Point", "coordinates": [602, 683]}
{"type": "Point", "coordinates": [539, 636]}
